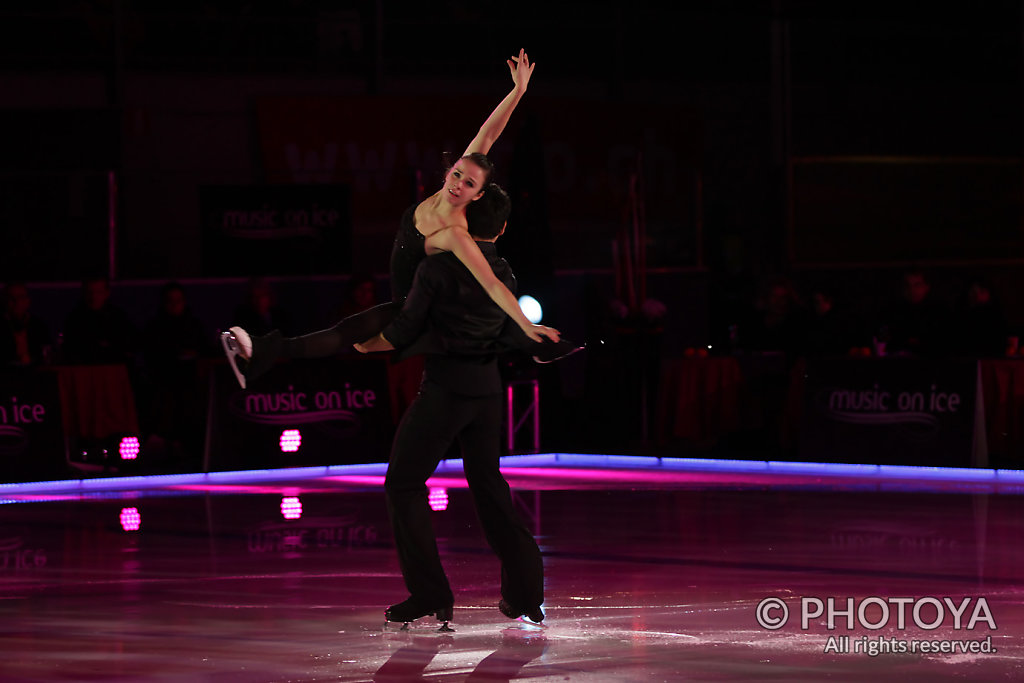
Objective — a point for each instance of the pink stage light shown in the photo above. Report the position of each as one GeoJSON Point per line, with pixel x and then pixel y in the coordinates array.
{"type": "Point", "coordinates": [131, 520]}
{"type": "Point", "coordinates": [291, 439]}
{"type": "Point", "coordinates": [129, 448]}
{"type": "Point", "coordinates": [438, 499]}
{"type": "Point", "coordinates": [291, 507]}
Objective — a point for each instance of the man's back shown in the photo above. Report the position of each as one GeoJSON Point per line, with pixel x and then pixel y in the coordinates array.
{"type": "Point", "coordinates": [447, 301]}
{"type": "Point", "coordinates": [465, 311]}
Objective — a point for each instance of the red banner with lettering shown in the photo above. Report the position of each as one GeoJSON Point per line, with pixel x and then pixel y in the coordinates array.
{"type": "Point", "coordinates": [578, 154]}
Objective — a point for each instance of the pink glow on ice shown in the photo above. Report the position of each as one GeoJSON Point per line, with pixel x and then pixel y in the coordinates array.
{"type": "Point", "coordinates": [438, 500]}
{"type": "Point", "coordinates": [131, 520]}
{"type": "Point", "coordinates": [576, 478]}
{"type": "Point", "coordinates": [364, 479]}
{"type": "Point", "coordinates": [129, 448]}
{"type": "Point", "coordinates": [291, 507]}
{"type": "Point", "coordinates": [291, 439]}
{"type": "Point", "coordinates": [447, 482]}
{"type": "Point", "coordinates": [586, 474]}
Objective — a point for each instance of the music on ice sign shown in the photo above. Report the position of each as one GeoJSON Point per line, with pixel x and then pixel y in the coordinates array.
{"type": "Point", "coordinates": [893, 411]}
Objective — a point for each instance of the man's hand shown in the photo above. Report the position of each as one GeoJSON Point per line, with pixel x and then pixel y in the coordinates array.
{"type": "Point", "coordinates": [374, 344]}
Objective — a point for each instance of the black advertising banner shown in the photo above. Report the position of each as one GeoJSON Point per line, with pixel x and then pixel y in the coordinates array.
{"type": "Point", "coordinates": [32, 444]}
{"type": "Point", "coordinates": [275, 229]}
{"type": "Point", "coordinates": [333, 411]}
{"type": "Point", "coordinates": [875, 209]}
{"type": "Point", "coordinates": [890, 411]}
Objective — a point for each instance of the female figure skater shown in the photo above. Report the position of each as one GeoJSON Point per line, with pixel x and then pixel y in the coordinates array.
{"type": "Point", "coordinates": [438, 223]}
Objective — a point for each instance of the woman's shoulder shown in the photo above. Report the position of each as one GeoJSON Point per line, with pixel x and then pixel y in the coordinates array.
{"type": "Point", "coordinates": [431, 225]}
{"type": "Point", "coordinates": [446, 236]}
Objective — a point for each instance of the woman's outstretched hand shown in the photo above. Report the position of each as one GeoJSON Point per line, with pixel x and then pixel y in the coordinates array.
{"type": "Point", "coordinates": [538, 332]}
{"type": "Point", "coordinates": [521, 69]}
{"type": "Point", "coordinates": [374, 345]}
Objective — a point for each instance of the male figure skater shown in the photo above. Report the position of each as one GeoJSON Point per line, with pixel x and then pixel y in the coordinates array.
{"type": "Point", "coordinates": [460, 399]}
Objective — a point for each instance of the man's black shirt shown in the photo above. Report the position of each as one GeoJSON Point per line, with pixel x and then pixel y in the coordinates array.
{"type": "Point", "coordinates": [448, 302]}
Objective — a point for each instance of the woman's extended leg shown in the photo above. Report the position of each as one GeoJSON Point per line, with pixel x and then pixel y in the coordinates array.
{"type": "Point", "coordinates": [262, 352]}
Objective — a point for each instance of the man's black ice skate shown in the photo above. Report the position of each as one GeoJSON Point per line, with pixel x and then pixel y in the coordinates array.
{"type": "Point", "coordinates": [549, 351]}
{"type": "Point", "coordinates": [408, 611]}
{"type": "Point", "coordinates": [534, 614]}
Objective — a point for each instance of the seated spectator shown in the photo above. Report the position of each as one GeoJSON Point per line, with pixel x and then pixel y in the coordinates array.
{"type": "Point", "coordinates": [173, 402]}
{"type": "Point", "coordinates": [96, 330]}
{"type": "Point", "coordinates": [260, 313]}
{"type": "Point", "coordinates": [778, 321]}
{"type": "Point", "coordinates": [360, 294]}
{"type": "Point", "coordinates": [915, 324]}
{"type": "Point", "coordinates": [24, 337]}
{"type": "Point", "coordinates": [175, 336]}
{"type": "Point", "coordinates": [981, 328]}
{"type": "Point", "coordinates": [830, 328]}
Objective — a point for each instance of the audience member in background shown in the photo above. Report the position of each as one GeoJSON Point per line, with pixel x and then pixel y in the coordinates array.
{"type": "Point", "coordinates": [830, 328]}
{"type": "Point", "coordinates": [360, 295]}
{"type": "Point", "coordinates": [915, 324]}
{"type": "Point", "coordinates": [24, 337]}
{"type": "Point", "coordinates": [981, 328]}
{"type": "Point", "coordinates": [778, 321]}
{"type": "Point", "coordinates": [96, 330]}
{"type": "Point", "coordinates": [173, 344]}
{"type": "Point", "coordinates": [260, 313]}
{"type": "Point", "coordinates": [404, 376]}
{"type": "Point", "coordinates": [733, 291]}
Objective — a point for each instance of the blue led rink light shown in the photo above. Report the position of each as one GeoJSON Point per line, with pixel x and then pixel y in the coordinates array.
{"type": "Point", "coordinates": [995, 480]}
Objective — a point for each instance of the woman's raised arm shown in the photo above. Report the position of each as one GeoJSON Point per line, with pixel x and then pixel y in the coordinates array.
{"type": "Point", "coordinates": [521, 69]}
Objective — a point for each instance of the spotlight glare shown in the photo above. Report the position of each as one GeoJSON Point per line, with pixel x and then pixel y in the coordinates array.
{"type": "Point", "coordinates": [131, 520]}
{"type": "Point", "coordinates": [129, 448]}
{"type": "Point", "coordinates": [290, 441]}
{"type": "Point", "coordinates": [291, 507]}
{"type": "Point", "coordinates": [531, 308]}
{"type": "Point", "coordinates": [438, 500]}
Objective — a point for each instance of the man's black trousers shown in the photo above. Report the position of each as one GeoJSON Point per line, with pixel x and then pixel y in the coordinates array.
{"type": "Point", "coordinates": [433, 422]}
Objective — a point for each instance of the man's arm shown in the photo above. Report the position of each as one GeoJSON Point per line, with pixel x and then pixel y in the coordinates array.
{"type": "Point", "coordinates": [411, 321]}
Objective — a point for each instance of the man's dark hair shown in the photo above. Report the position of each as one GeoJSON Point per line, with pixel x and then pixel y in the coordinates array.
{"type": "Point", "coordinates": [487, 216]}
